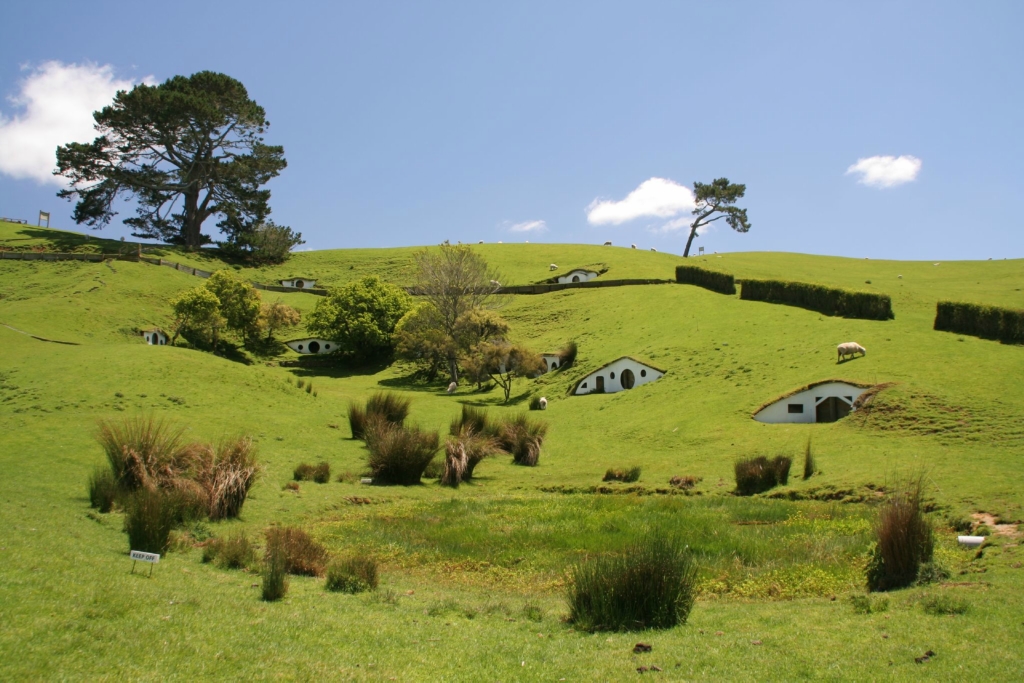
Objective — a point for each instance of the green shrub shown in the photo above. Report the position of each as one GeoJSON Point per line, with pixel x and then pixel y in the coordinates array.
{"type": "Point", "coordinates": [522, 438]}
{"type": "Point", "coordinates": [628, 475]}
{"type": "Point", "coordinates": [434, 469]}
{"type": "Point", "coordinates": [303, 556]}
{"type": "Point", "coordinates": [384, 405]}
{"type": "Point", "coordinates": [651, 585]}
{"type": "Point", "coordinates": [904, 540]}
{"type": "Point", "coordinates": [931, 572]}
{"type": "Point", "coordinates": [102, 489]}
{"type": "Point", "coordinates": [826, 300]}
{"type": "Point", "coordinates": [150, 515]}
{"type": "Point", "coordinates": [944, 605]}
{"type": "Point", "coordinates": [567, 356]}
{"type": "Point", "coordinates": [988, 322]}
{"type": "Point", "coordinates": [233, 552]}
{"type": "Point", "coordinates": [398, 455]}
{"type": "Point", "coordinates": [303, 472]}
{"type": "Point", "coordinates": [723, 283]}
{"type": "Point", "coordinates": [759, 474]}
{"type": "Point", "coordinates": [808, 461]}
{"type": "Point", "coordinates": [275, 569]}
{"type": "Point", "coordinates": [353, 574]}
{"type": "Point", "coordinates": [864, 604]}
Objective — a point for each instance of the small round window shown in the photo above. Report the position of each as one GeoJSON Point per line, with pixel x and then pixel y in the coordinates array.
{"type": "Point", "coordinates": [300, 347]}
{"type": "Point", "coordinates": [643, 373]}
{"type": "Point", "coordinates": [612, 375]}
{"type": "Point", "coordinates": [327, 346]}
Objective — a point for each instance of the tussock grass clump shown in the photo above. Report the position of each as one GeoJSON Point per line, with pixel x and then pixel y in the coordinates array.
{"type": "Point", "coordinates": [759, 474]}
{"type": "Point", "coordinates": [864, 604]}
{"type": "Point", "coordinates": [102, 489]}
{"type": "Point", "coordinates": [235, 551]}
{"type": "Point", "coordinates": [616, 474]}
{"type": "Point", "coordinates": [473, 420]}
{"type": "Point", "coordinates": [303, 555]}
{"type": "Point", "coordinates": [944, 605]}
{"type": "Point", "coordinates": [808, 461]}
{"type": "Point", "coordinates": [685, 482]}
{"type": "Point", "coordinates": [141, 450]}
{"type": "Point", "coordinates": [224, 473]}
{"type": "Point", "coordinates": [650, 585]}
{"type": "Point", "coordinates": [903, 540]}
{"type": "Point", "coordinates": [150, 516]}
{"type": "Point", "coordinates": [353, 574]}
{"type": "Point", "coordinates": [521, 437]}
{"type": "Point", "coordinates": [567, 356]}
{"type": "Point", "coordinates": [275, 568]}
{"type": "Point", "coordinates": [399, 455]}
{"type": "Point", "coordinates": [385, 405]}
{"type": "Point", "coordinates": [454, 463]}
{"type": "Point", "coordinates": [320, 473]}
{"type": "Point", "coordinates": [472, 439]}
{"type": "Point", "coordinates": [303, 472]}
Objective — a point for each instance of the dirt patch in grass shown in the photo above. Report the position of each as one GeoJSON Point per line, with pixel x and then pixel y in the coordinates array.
{"type": "Point", "coordinates": [997, 529]}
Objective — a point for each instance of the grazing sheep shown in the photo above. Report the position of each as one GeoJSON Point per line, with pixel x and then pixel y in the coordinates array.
{"type": "Point", "coordinates": [850, 349]}
{"type": "Point", "coordinates": [632, 246]}
{"type": "Point", "coordinates": [495, 283]}
{"type": "Point", "coordinates": [653, 249]}
{"type": "Point", "coordinates": [899, 277]}
{"type": "Point", "coordinates": [452, 387]}
{"type": "Point", "coordinates": [543, 403]}
{"type": "Point", "coordinates": [553, 267]}
{"type": "Point", "coordinates": [480, 242]}
{"type": "Point", "coordinates": [607, 244]}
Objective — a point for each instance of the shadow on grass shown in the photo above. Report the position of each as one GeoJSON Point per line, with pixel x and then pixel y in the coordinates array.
{"type": "Point", "coordinates": [335, 368]}
{"type": "Point", "coordinates": [497, 401]}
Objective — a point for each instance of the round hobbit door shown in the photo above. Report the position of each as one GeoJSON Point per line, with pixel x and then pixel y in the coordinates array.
{"type": "Point", "coordinates": [299, 284]}
{"type": "Point", "coordinates": [575, 278]}
{"type": "Point", "coordinates": [314, 347]}
{"type": "Point", "coordinates": [627, 379]}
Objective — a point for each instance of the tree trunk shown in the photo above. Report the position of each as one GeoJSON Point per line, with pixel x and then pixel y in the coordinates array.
{"type": "Point", "coordinates": [191, 225]}
{"type": "Point", "coordinates": [693, 233]}
{"type": "Point", "coordinates": [453, 369]}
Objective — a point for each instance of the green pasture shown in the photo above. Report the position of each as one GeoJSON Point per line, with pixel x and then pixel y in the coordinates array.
{"type": "Point", "coordinates": [472, 577]}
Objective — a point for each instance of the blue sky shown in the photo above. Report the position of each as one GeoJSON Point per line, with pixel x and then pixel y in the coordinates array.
{"type": "Point", "coordinates": [411, 123]}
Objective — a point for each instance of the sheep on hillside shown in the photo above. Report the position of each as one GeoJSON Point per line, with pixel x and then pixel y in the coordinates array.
{"type": "Point", "coordinates": [850, 349]}
{"type": "Point", "coordinates": [632, 246]}
{"type": "Point", "coordinates": [495, 283]}
{"type": "Point", "coordinates": [607, 244]}
{"type": "Point", "coordinates": [653, 249]}
{"type": "Point", "coordinates": [553, 267]}
{"type": "Point", "coordinates": [452, 387]}
{"type": "Point", "coordinates": [543, 403]}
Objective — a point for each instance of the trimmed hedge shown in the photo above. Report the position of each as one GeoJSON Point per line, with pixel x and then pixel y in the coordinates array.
{"type": "Point", "coordinates": [987, 322]}
{"type": "Point", "coordinates": [826, 300]}
{"type": "Point", "coordinates": [723, 283]}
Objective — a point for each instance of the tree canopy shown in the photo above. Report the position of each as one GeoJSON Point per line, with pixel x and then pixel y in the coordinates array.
{"type": "Point", "coordinates": [360, 316]}
{"type": "Point", "coordinates": [185, 150]}
{"type": "Point", "coordinates": [718, 196]}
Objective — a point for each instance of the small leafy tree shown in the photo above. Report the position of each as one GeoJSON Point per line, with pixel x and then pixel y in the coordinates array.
{"type": "Point", "coordinates": [266, 243]}
{"type": "Point", "coordinates": [197, 316]}
{"type": "Point", "coordinates": [240, 303]}
{"type": "Point", "coordinates": [278, 316]}
{"type": "Point", "coordinates": [420, 337]}
{"type": "Point", "coordinates": [504, 361]}
{"type": "Point", "coordinates": [455, 280]}
{"type": "Point", "coordinates": [717, 197]}
{"type": "Point", "coordinates": [360, 317]}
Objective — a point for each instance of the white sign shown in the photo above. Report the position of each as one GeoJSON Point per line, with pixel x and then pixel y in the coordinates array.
{"type": "Point", "coordinates": [144, 557]}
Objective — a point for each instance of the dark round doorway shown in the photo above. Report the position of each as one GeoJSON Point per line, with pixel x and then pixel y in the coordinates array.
{"type": "Point", "coordinates": [627, 379]}
{"type": "Point", "coordinates": [314, 347]}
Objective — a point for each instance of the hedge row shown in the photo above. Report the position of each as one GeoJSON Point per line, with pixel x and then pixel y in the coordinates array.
{"type": "Point", "coordinates": [723, 283]}
{"type": "Point", "coordinates": [827, 300]}
{"type": "Point", "coordinates": [987, 322]}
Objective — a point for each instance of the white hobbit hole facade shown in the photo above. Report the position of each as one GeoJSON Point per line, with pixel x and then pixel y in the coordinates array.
{"type": "Point", "coordinates": [312, 346]}
{"type": "Point", "coordinates": [551, 361]}
{"type": "Point", "coordinates": [826, 401]}
{"type": "Point", "coordinates": [619, 375]}
{"type": "Point", "coordinates": [578, 275]}
{"type": "Point", "coordinates": [154, 337]}
{"type": "Point", "coordinates": [299, 283]}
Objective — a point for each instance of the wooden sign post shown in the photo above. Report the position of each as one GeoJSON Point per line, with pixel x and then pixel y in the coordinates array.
{"type": "Point", "coordinates": [44, 216]}
{"type": "Point", "coordinates": [139, 556]}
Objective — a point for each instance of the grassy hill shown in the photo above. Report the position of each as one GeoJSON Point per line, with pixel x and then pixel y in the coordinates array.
{"type": "Point", "coordinates": [472, 577]}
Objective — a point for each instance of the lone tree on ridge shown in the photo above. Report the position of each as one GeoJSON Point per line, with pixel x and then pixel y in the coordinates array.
{"type": "Point", "coordinates": [187, 149]}
{"type": "Point", "coordinates": [718, 196]}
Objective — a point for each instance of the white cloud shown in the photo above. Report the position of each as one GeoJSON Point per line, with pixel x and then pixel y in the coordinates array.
{"type": "Point", "coordinates": [657, 197]}
{"type": "Point", "coordinates": [673, 225]}
{"type": "Point", "coordinates": [57, 101]}
{"type": "Point", "coordinates": [529, 226]}
{"type": "Point", "coordinates": [886, 171]}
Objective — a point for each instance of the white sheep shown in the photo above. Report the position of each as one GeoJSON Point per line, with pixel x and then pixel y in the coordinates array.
{"type": "Point", "coordinates": [632, 246]}
{"type": "Point", "coordinates": [452, 387]}
{"type": "Point", "coordinates": [480, 242]}
{"type": "Point", "coordinates": [607, 244]}
{"type": "Point", "coordinates": [495, 283]}
{"type": "Point", "coordinates": [850, 349]}
{"type": "Point", "coordinates": [553, 267]}
{"type": "Point", "coordinates": [653, 249]}
{"type": "Point", "coordinates": [543, 403]}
